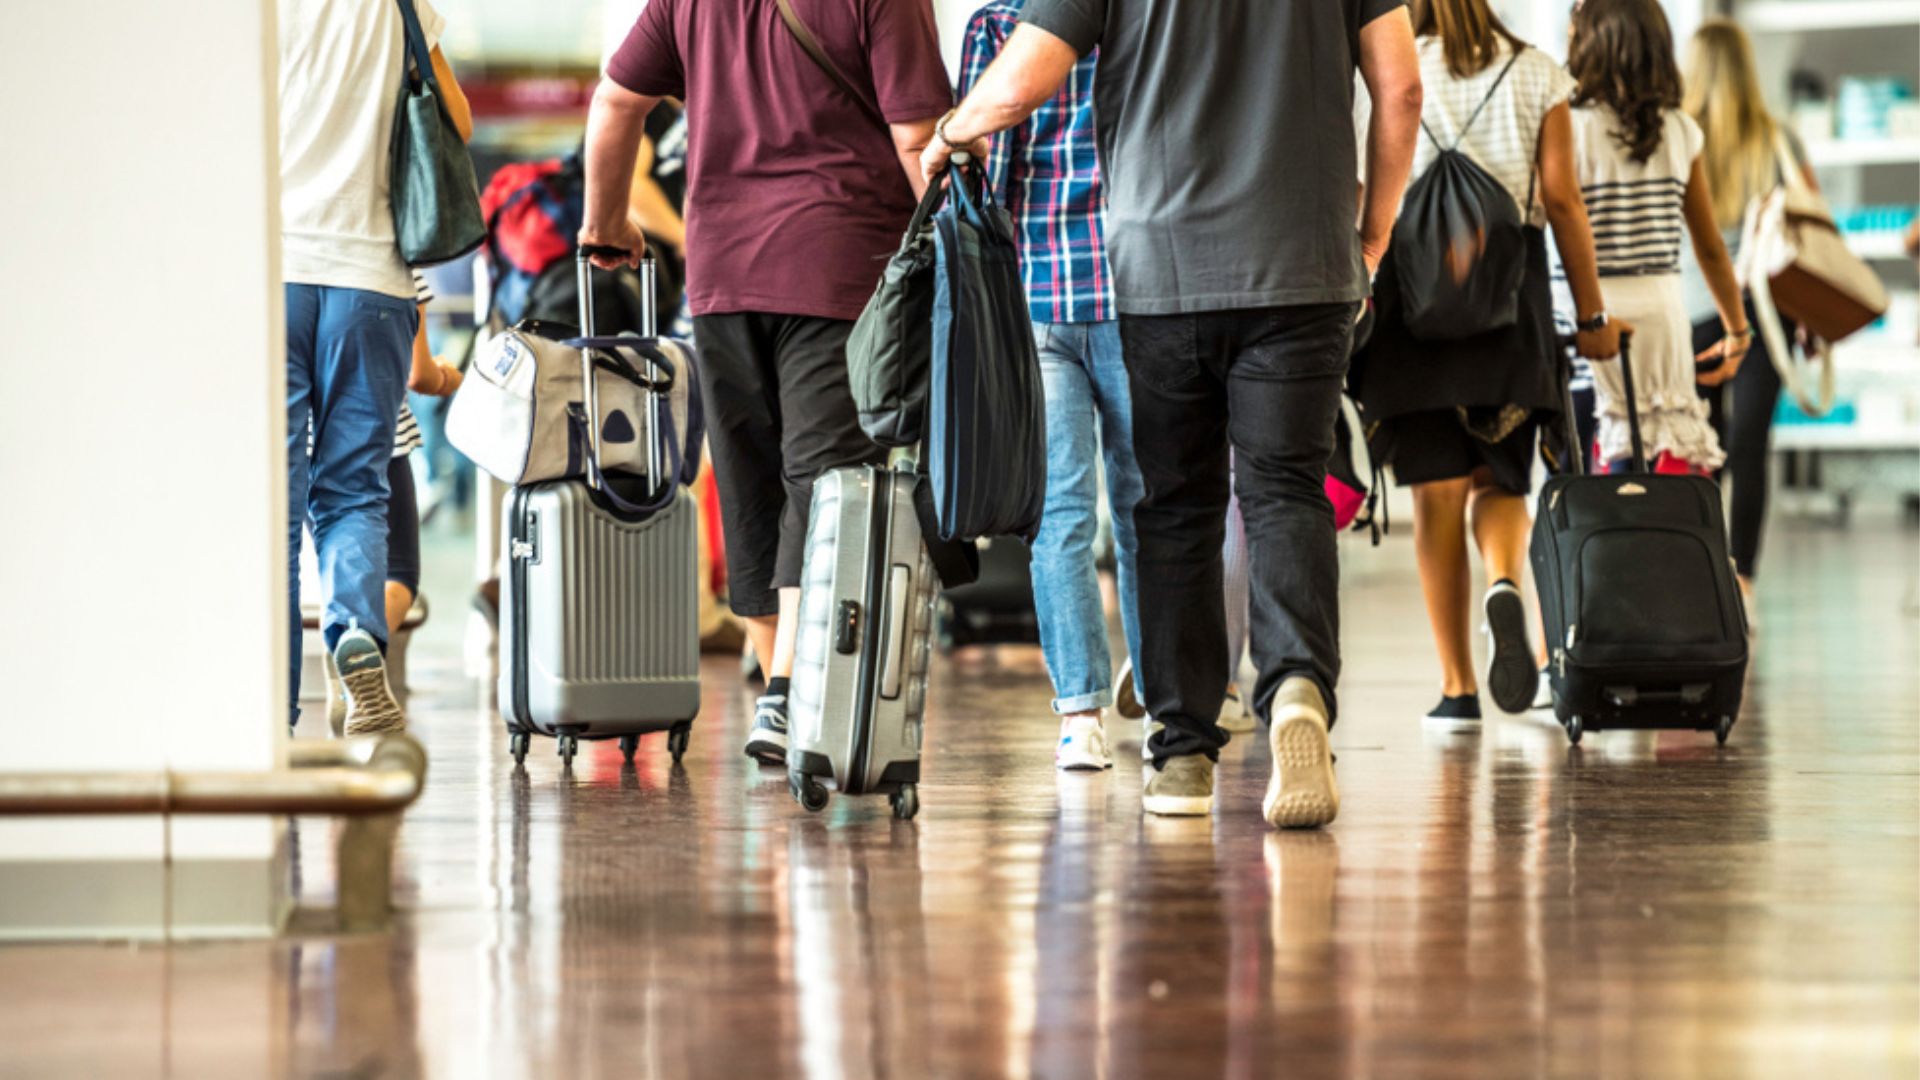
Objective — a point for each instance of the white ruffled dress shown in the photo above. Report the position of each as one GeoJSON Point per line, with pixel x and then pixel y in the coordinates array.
{"type": "Point", "coordinates": [1638, 231]}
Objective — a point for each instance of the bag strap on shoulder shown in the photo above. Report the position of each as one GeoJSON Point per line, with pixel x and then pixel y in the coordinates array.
{"type": "Point", "coordinates": [1477, 109]}
{"type": "Point", "coordinates": [825, 63]}
{"type": "Point", "coordinates": [415, 44]}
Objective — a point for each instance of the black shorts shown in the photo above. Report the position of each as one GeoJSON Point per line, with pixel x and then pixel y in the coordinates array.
{"type": "Point", "coordinates": [779, 413]}
{"type": "Point", "coordinates": [1427, 447]}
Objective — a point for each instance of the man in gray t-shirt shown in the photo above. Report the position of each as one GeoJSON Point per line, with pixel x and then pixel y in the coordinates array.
{"type": "Point", "coordinates": [1227, 146]}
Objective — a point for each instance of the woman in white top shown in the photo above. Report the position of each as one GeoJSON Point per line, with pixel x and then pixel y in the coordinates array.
{"type": "Point", "coordinates": [1742, 159]}
{"type": "Point", "coordinates": [1459, 420]}
{"type": "Point", "coordinates": [1639, 163]}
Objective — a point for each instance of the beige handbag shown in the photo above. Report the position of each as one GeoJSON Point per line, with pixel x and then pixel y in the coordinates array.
{"type": "Point", "coordinates": [1794, 261]}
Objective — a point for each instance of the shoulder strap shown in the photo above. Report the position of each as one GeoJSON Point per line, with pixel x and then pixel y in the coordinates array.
{"type": "Point", "coordinates": [1491, 90]}
{"type": "Point", "coordinates": [414, 43]}
{"type": "Point", "coordinates": [825, 63]}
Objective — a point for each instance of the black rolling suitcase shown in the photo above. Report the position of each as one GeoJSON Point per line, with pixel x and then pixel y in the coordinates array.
{"type": "Point", "coordinates": [1645, 626]}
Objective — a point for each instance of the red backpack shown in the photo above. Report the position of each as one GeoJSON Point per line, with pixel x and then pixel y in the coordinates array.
{"type": "Point", "coordinates": [534, 212]}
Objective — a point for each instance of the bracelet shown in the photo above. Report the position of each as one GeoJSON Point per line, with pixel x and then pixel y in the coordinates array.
{"type": "Point", "coordinates": [1742, 334]}
{"type": "Point", "coordinates": [940, 127]}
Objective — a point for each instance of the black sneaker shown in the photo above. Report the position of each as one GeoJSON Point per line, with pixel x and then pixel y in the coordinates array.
{"type": "Point", "coordinates": [1511, 675]}
{"type": "Point", "coordinates": [1459, 709]}
{"type": "Point", "coordinates": [767, 742]}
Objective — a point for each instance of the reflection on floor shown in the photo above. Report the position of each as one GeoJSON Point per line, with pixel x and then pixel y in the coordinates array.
{"type": "Point", "coordinates": [1487, 905]}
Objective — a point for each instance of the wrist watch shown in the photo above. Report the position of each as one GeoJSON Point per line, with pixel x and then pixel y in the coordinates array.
{"type": "Point", "coordinates": [1598, 322]}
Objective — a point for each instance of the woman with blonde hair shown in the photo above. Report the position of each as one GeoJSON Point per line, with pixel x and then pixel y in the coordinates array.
{"type": "Point", "coordinates": [1459, 419]}
{"type": "Point", "coordinates": [1742, 160]}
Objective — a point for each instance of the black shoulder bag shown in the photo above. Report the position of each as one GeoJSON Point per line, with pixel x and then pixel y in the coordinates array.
{"type": "Point", "coordinates": [435, 198]}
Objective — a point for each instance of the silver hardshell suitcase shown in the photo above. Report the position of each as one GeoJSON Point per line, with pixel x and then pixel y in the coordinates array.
{"type": "Point", "coordinates": [866, 627]}
{"type": "Point", "coordinates": [599, 614]}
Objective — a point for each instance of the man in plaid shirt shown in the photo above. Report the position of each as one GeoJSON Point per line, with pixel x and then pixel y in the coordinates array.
{"type": "Point", "coordinates": [1046, 173]}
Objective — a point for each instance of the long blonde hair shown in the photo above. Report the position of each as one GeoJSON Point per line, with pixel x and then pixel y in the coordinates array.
{"type": "Point", "coordinates": [1723, 97]}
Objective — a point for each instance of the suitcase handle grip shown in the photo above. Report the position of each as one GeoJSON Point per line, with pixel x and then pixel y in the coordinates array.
{"type": "Point", "coordinates": [1577, 455]}
{"type": "Point", "coordinates": [893, 660]}
{"type": "Point", "coordinates": [583, 281]}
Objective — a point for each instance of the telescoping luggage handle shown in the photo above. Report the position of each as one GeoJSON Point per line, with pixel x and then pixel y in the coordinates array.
{"type": "Point", "coordinates": [1577, 454]}
{"type": "Point", "coordinates": [661, 421]}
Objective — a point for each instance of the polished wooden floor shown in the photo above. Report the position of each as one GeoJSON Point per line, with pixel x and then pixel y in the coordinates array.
{"type": "Point", "coordinates": [1490, 904]}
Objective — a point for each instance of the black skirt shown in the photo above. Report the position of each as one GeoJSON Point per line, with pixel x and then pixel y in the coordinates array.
{"type": "Point", "coordinates": [1447, 444]}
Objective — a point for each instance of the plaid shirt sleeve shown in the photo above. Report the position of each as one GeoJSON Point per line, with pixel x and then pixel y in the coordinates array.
{"type": "Point", "coordinates": [986, 33]}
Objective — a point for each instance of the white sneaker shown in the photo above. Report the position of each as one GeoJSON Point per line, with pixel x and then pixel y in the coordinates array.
{"type": "Point", "coordinates": [1543, 694]}
{"type": "Point", "coordinates": [1302, 793]}
{"type": "Point", "coordinates": [336, 699]}
{"type": "Point", "coordinates": [1126, 695]}
{"type": "Point", "coordinates": [1083, 744]}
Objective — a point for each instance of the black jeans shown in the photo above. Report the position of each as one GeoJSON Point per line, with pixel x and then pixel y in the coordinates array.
{"type": "Point", "coordinates": [780, 413]}
{"type": "Point", "coordinates": [1265, 383]}
{"type": "Point", "coordinates": [1742, 415]}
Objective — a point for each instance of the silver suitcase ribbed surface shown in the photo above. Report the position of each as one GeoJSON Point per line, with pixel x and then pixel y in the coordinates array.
{"type": "Point", "coordinates": [860, 660]}
{"type": "Point", "coordinates": [599, 616]}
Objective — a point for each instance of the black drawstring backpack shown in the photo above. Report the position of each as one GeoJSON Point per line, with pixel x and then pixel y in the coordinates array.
{"type": "Point", "coordinates": [1459, 249]}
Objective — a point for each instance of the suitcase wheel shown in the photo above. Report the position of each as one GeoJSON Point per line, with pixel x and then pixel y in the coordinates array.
{"type": "Point", "coordinates": [518, 742]}
{"type": "Point", "coordinates": [1723, 729]}
{"type": "Point", "coordinates": [807, 791]}
{"type": "Point", "coordinates": [906, 801]}
{"type": "Point", "coordinates": [1575, 729]}
{"type": "Point", "coordinates": [628, 745]}
{"type": "Point", "coordinates": [569, 746]}
{"type": "Point", "coordinates": [677, 737]}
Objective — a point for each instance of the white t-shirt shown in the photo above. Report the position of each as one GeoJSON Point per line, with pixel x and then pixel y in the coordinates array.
{"type": "Point", "coordinates": [1505, 138]}
{"type": "Point", "coordinates": [341, 62]}
{"type": "Point", "coordinates": [1635, 207]}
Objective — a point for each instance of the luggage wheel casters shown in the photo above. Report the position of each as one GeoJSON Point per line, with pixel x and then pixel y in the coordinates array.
{"type": "Point", "coordinates": [569, 746]}
{"type": "Point", "coordinates": [906, 801]}
{"type": "Point", "coordinates": [677, 737]}
{"type": "Point", "coordinates": [812, 795]}
{"type": "Point", "coordinates": [518, 742]}
{"type": "Point", "coordinates": [807, 791]}
{"type": "Point", "coordinates": [1721, 730]}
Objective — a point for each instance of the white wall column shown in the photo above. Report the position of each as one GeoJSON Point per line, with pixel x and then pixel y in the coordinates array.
{"type": "Point", "coordinates": [142, 384]}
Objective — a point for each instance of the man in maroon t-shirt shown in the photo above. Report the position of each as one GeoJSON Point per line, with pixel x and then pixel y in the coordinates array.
{"type": "Point", "coordinates": [796, 193]}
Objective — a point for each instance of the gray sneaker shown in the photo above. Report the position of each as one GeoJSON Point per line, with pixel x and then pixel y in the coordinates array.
{"type": "Point", "coordinates": [1301, 793]}
{"type": "Point", "coordinates": [1183, 787]}
{"type": "Point", "coordinates": [371, 708]}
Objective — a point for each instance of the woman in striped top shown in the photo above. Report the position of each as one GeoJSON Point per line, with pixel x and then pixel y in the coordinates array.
{"type": "Point", "coordinates": [433, 377]}
{"type": "Point", "coordinates": [1638, 158]}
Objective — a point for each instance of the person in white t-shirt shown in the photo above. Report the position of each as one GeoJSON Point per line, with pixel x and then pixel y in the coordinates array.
{"type": "Point", "coordinates": [350, 315]}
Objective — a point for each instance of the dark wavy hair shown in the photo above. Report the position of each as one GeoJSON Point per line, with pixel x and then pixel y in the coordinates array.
{"type": "Point", "coordinates": [1621, 55]}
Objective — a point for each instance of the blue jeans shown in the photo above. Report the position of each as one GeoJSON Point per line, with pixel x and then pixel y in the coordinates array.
{"type": "Point", "coordinates": [348, 351]}
{"type": "Point", "coordinates": [1086, 383]}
